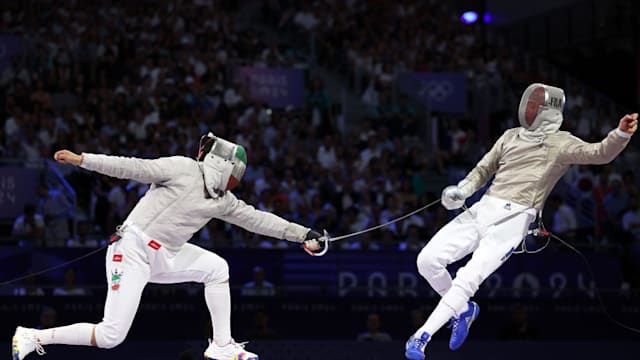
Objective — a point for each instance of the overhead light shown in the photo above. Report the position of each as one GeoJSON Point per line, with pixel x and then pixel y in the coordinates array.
{"type": "Point", "coordinates": [469, 17]}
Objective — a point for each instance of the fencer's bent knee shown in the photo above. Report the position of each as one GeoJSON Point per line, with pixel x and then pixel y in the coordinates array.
{"type": "Point", "coordinates": [219, 272]}
{"type": "Point", "coordinates": [224, 269]}
{"type": "Point", "coordinates": [109, 336]}
{"type": "Point", "coordinates": [429, 264]}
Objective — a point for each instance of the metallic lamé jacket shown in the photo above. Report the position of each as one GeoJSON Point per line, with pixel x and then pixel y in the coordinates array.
{"type": "Point", "coordinates": [526, 172]}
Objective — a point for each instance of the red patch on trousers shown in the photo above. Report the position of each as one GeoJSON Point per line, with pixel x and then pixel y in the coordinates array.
{"type": "Point", "coordinates": [117, 257]}
{"type": "Point", "coordinates": [154, 245]}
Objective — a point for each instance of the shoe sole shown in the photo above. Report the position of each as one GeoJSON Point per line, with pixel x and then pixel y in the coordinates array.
{"type": "Point", "coordinates": [414, 355]}
{"type": "Point", "coordinates": [474, 316]}
{"type": "Point", "coordinates": [15, 352]}
{"type": "Point", "coordinates": [234, 358]}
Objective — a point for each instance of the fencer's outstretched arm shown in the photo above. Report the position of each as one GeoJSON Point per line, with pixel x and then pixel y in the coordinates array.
{"type": "Point", "coordinates": [261, 222]}
{"type": "Point", "coordinates": [484, 170]}
{"type": "Point", "coordinates": [577, 151]}
{"type": "Point", "coordinates": [146, 171]}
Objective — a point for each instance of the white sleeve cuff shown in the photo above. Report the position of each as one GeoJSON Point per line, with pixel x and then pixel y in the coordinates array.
{"type": "Point", "coordinates": [466, 188]}
{"type": "Point", "coordinates": [295, 232]}
{"type": "Point", "coordinates": [622, 133]}
{"type": "Point", "coordinates": [86, 158]}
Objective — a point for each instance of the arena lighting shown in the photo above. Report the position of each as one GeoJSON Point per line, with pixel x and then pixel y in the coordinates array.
{"type": "Point", "coordinates": [469, 17]}
{"type": "Point", "coordinates": [487, 18]}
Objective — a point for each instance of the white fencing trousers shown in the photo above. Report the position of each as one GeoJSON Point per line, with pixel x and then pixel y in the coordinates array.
{"type": "Point", "coordinates": [136, 260]}
{"type": "Point", "coordinates": [492, 228]}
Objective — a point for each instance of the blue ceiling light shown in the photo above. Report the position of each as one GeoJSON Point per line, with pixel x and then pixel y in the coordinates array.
{"type": "Point", "coordinates": [469, 17]}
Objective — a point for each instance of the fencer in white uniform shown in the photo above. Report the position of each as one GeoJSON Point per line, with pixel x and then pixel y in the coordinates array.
{"type": "Point", "coordinates": [152, 244]}
{"type": "Point", "coordinates": [525, 163]}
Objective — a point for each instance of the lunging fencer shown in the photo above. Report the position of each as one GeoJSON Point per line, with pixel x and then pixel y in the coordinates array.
{"type": "Point", "coordinates": [525, 163]}
{"type": "Point", "coordinates": [152, 243]}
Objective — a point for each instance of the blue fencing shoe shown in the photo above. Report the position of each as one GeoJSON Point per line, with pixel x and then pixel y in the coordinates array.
{"type": "Point", "coordinates": [414, 349]}
{"type": "Point", "coordinates": [460, 326]}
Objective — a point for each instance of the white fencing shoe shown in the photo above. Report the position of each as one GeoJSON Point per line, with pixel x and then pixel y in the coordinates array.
{"type": "Point", "coordinates": [231, 351]}
{"type": "Point", "coordinates": [24, 343]}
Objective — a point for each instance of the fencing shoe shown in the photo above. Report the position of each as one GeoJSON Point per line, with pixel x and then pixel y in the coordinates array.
{"type": "Point", "coordinates": [25, 342]}
{"type": "Point", "coordinates": [231, 351]}
{"type": "Point", "coordinates": [414, 349]}
{"type": "Point", "coordinates": [460, 326]}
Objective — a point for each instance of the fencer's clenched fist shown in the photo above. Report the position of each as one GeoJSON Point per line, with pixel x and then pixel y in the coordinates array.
{"type": "Point", "coordinates": [312, 241]}
{"type": "Point", "coordinates": [452, 197]}
{"type": "Point", "coordinates": [68, 157]}
{"type": "Point", "coordinates": [629, 123]}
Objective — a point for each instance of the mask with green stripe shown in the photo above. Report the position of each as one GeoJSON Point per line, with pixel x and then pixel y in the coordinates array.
{"type": "Point", "coordinates": [222, 163]}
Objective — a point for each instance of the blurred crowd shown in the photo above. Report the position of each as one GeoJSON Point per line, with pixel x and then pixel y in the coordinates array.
{"type": "Point", "coordinates": [123, 80]}
{"type": "Point", "coordinates": [372, 41]}
{"type": "Point", "coordinates": [132, 82]}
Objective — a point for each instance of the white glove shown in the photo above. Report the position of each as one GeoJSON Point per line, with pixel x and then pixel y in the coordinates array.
{"type": "Point", "coordinates": [312, 240]}
{"type": "Point", "coordinates": [313, 245]}
{"type": "Point", "coordinates": [452, 197]}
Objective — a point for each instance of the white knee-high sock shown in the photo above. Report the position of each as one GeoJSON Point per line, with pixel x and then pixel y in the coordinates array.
{"type": "Point", "coordinates": [452, 304]}
{"type": "Point", "coordinates": [218, 298]}
{"type": "Point", "coordinates": [76, 334]}
{"type": "Point", "coordinates": [440, 316]}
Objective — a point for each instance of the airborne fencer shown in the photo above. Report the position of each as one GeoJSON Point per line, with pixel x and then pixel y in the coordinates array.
{"type": "Point", "coordinates": [152, 243]}
{"type": "Point", "coordinates": [525, 163]}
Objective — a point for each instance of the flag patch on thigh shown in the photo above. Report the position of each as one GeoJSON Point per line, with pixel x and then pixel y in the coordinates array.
{"type": "Point", "coordinates": [116, 278]}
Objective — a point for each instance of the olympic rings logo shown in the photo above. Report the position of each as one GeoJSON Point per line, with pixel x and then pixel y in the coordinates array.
{"type": "Point", "coordinates": [437, 91]}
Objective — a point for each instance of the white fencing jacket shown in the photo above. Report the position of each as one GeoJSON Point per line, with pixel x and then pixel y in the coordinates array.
{"type": "Point", "coordinates": [176, 205]}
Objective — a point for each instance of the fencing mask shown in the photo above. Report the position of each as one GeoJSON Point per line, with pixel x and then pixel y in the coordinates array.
{"type": "Point", "coordinates": [222, 163]}
{"type": "Point", "coordinates": [540, 110]}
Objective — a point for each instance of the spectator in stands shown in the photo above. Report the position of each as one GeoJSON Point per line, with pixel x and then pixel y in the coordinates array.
{"type": "Point", "coordinates": [318, 102]}
{"type": "Point", "coordinates": [373, 332]}
{"type": "Point", "coordinates": [214, 236]}
{"type": "Point", "coordinates": [48, 317]}
{"type": "Point", "coordinates": [117, 200]}
{"type": "Point", "coordinates": [408, 123]}
{"type": "Point", "coordinates": [629, 183]}
{"type": "Point", "coordinates": [29, 228]}
{"type": "Point", "coordinates": [392, 210]}
{"type": "Point", "coordinates": [631, 219]}
{"type": "Point", "coordinates": [565, 222]}
{"type": "Point", "coordinates": [326, 155]}
{"type": "Point", "coordinates": [413, 241]}
{"type": "Point", "coordinates": [70, 287]}
{"type": "Point", "coordinates": [630, 247]}
{"type": "Point", "coordinates": [56, 209]}
{"type": "Point", "coordinates": [258, 286]}
{"type": "Point", "coordinates": [615, 202]}
{"type": "Point", "coordinates": [306, 18]}
{"type": "Point", "coordinates": [261, 329]}
{"type": "Point", "coordinates": [30, 287]}
{"type": "Point", "coordinates": [84, 237]}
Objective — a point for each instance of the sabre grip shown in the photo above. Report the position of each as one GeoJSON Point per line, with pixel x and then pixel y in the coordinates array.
{"type": "Point", "coordinates": [312, 240]}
